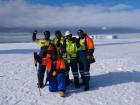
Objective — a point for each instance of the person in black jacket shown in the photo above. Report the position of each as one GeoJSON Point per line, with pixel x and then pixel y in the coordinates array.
{"type": "Point", "coordinates": [43, 43]}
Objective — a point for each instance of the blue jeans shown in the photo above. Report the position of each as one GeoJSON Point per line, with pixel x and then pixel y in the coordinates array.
{"type": "Point", "coordinates": [57, 83]}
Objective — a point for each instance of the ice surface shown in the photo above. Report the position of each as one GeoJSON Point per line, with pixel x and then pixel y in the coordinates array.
{"type": "Point", "coordinates": [115, 77]}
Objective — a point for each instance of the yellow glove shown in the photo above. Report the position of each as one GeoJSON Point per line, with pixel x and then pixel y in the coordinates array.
{"type": "Point", "coordinates": [54, 73]}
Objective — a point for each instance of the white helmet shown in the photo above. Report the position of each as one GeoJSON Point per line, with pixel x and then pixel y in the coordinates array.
{"type": "Point", "coordinates": [67, 33]}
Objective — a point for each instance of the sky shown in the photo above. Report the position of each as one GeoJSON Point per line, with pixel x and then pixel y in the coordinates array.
{"type": "Point", "coordinates": [70, 13]}
{"type": "Point", "coordinates": [135, 3]}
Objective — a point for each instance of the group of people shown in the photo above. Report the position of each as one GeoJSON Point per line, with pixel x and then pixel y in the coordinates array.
{"type": "Point", "coordinates": [62, 54]}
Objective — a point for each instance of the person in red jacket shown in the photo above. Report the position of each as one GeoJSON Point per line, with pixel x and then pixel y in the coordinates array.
{"type": "Point", "coordinates": [55, 66]}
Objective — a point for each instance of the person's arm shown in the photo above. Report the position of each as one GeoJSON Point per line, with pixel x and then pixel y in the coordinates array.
{"type": "Point", "coordinates": [53, 71]}
{"type": "Point", "coordinates": [63, 46]}
{"type": "Point", "coordinates": [34, 35]}
{"type": "Point", "coordinates": [37, 57]}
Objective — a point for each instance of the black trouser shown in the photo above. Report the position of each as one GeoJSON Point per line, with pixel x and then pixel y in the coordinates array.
{"type": "Point", "coordinates": [41, 72]}
{"type": "Point", "coordinates": [84, 66]}
{"type": "Point", "coordinates": [41, 68]}
{"type": "Point", "coordinates": [74, 67]}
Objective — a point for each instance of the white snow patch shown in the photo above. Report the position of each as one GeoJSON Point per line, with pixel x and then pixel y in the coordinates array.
{"type": "Point", "coordinates": [115, 77]}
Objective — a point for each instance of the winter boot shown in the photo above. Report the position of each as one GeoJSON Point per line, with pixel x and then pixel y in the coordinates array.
{"type": "Point", "coordinates": [76, 83]}
{"type": "Point", "coordinates": [62, 94]}
{"type": "Point", "coordinates": [77, 86]}
{"type": "Point", "coordinates": [86, 86]}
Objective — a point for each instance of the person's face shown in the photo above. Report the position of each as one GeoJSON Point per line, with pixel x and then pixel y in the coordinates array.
{"type": "Point", "coordinates": [46, 36]}
{"type": "Point", "coordinates": [68, 37]}
{"type": "Point", "coordinates": [79, 34]}
{"type": "Point", "coordinates": [58, 36]}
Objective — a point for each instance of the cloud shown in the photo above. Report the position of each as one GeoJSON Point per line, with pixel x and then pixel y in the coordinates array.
{"type": "Point", "coordinates": [120, 7]}
{"type": "Point", "coordinates": [18, 13]}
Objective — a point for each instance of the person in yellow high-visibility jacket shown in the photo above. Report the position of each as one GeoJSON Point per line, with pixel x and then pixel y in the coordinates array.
{"type": "Point", "coordinates": [43, 44]}
{"type": "Point", "coordinates": [71, 58]}
{"type": "Point", "coordinates": [59, 42]}
{"type": "Point", "coordinates": [85, 52]}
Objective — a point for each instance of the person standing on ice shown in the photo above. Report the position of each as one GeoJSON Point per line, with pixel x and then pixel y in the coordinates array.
{"type": "Point", "coordinates": [85, 54]}
{"type": "Point", "coordinates": [59, 42]}
{"type": "Point", "coordinates": [71, 58]}
{"type": "Point", "coordinates": [43, 43]}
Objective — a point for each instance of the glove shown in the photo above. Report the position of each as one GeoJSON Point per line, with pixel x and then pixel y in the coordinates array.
{"type": "Point", "coordinates": [90, 51]}
{"type": "Point", "coordinates": [35, 32]}
{"type": "Point", "coordinates": [91, 58]}
{"type": "Point", "coordinates": [34, 35]}
{"type": "Point", "coordinates": [54, 73]}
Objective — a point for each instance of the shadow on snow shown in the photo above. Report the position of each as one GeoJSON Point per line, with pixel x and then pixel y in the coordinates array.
{"type": "Point", "coordinates": [109, 79]}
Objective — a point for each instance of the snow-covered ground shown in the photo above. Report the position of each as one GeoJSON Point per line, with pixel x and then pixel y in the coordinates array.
{"type": "Point", "coordinates": [115, 77]}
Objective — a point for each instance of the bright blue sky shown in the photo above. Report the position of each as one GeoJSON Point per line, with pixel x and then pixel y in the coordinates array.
{"type": "Point", "coordinates": [133, 3]}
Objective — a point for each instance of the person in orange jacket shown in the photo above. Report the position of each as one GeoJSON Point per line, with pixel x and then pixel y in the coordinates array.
{"type": "Point", "coordinates": [85, 57]}
{"type": "Point", "coordinates": [55, 66]}
{"type": "Point", "coordinates": [49, 50]}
